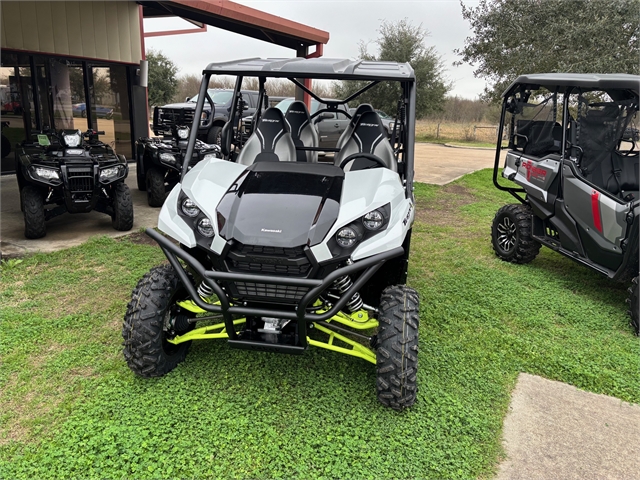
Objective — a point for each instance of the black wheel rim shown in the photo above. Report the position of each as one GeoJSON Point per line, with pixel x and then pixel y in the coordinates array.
{"type": "Point", "coordinates": [507, 234]}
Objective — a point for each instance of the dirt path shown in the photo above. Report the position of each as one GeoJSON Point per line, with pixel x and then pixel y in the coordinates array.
{"type": "Point", "coordinates": [439, 165]}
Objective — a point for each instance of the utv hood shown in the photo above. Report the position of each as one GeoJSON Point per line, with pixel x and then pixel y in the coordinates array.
{"type": "Point", "coordinates": [281, 204]}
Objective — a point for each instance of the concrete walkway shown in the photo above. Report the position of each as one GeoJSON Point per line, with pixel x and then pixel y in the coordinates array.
{"type": "Point", "coordinates": [555, 431]}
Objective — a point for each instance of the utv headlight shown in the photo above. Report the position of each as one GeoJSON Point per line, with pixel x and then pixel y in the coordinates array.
{"type": "Point", "coordinates": [373, 220]}
{"type": "Point", "coordinates": [110, 173]}
{"type": "Point", "coordinates": [72, 139]}
{"type": "Point", "coordinates": [346, 237]}
{"type": "Point", "coordinates": [189, 208]}
{"type": "Point", "coordinates": [47, 173]}
{"type": "Point", "coordinates": [183, 133]}
{"type": "Point", "coordinates": [205, 228]}
{"type": "Point", "coordinates": [167, 158]}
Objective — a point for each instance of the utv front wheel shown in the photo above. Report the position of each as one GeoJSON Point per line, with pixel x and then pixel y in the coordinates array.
{"type": "Point", "coordinates": [511, 234]}
{"type": "Point", "coordinates": [634, 306]}
{"type": "Point", "coordinates": [397, 347]}
{"type": "Point", "coordinates": [33, 210]}
{"type": "Point", "coordinates": [122, 218]}
{"type": "Point", "coordinates": [155, 187]}
{"type": "Point", "coordinates": [152, 317]}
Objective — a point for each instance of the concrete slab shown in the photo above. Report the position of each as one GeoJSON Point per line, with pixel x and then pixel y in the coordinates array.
{"type": "Point", "coordinates": [66, 230]}
{"type": "Point", "coordinates": [553, 430]}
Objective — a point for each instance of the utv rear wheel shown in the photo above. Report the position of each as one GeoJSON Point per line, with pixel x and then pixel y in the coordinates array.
{"type": "Point", "coordinates": [152, 317]}
{"type": "Point", "coordinates": [122, 218]}
{"type": "Point", "coordinates": [511, 234]}
{"type": "Point", "coordinates": [155, 187]}
{"type": "Point", "coordinates": [634, 305]}
{"type": "Point", "coordinates": [33, 210]}
{"type": "Point", "coordinates": [397, 347]}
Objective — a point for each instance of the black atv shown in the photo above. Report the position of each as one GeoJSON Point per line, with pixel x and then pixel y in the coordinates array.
{"type": "Point", "coordinates": [571, 153]}
{"type": "Point", "coordinates": [159, 161]}
{"type": "Point", "coordinates": [70, 171]}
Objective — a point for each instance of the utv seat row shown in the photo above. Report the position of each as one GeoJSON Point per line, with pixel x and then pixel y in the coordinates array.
{"type": "Point", "coordinates": [283, 137]}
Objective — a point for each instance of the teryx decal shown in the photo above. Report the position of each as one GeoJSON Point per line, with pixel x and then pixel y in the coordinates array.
{"type": "Point", "coordinates": [534, 172]}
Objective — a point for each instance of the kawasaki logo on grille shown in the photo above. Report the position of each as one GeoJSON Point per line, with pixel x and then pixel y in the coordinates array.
{"type": "Point", "coordinates": [267, 230]}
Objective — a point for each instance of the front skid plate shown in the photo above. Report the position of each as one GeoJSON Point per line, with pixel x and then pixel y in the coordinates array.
{"type": "Point", "coordinates": [353, 348]}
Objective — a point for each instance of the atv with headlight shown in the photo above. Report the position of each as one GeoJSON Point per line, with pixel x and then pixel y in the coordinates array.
{"type": "Point", "coordinates": [70, 171]}
{"type": "Point", "coordinates": [159, 159]}
{"type": "Point", "coordinates": [273, 251]}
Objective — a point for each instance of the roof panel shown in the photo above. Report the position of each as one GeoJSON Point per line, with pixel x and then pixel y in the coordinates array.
{"type": "Point", "coordinates": [319, 68]}
{"type": "Point", "coordinates": [582, 80]}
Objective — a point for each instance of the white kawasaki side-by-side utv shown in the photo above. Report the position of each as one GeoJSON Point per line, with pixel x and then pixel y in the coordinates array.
{"type": "Point", "coordinates": [282, 250]}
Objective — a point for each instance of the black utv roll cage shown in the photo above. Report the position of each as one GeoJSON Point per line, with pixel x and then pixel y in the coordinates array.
{"type": "Point", "coordinates": [555, 83]}
{"type": "Point", "coordinates": [297, 69]}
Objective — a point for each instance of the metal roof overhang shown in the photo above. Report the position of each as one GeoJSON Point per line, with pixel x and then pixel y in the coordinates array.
{"type": "Point", "coordinates": [602, 81]}
{"type": "Point", "coordinates": [240, 19]}
{"type": "Point", "coordinates": [316, 68]}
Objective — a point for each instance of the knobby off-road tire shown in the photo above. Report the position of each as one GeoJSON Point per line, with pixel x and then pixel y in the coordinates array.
{"type": "Point", "coordinates": [397, 348]}
{"type": "Point", "coordinates": [146, 350]}
{"type": "Point", "coordinates": [33, 210]}
{"type": "Point", "coordinates": [122, 218]}
{"type": "Point", "coordinates": [511, 234]}
{"type": "Point", "coordinates": [634, 305]}
{"type": "Point", "coordinates": [155, 187]}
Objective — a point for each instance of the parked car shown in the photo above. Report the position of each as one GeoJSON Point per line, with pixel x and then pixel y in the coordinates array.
{"type": "Point", "coordinates": [210, 129]}
{"type": "Point", "coordinates": [70, 171]}
{"type": "Point", "coordinates": [575, 171]}
{"type": "Point", "coordinates": [80, 110]}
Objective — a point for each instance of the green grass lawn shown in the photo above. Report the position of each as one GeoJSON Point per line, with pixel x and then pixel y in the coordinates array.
{"type": "Point", "coordinates": [71, 407]}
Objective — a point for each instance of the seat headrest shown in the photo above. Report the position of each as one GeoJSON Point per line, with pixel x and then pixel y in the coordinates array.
{"type": "Point", "coordinates": [297, 117]}
{"type": "Point", "coordinates": [270, 128]}
{"type": "Point", "coordinates": [368, 132]}
{"type": "Point", "coordinates": [362, 108]}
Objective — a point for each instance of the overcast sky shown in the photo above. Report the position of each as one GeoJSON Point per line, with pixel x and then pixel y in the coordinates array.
{"type": "Point", "coordinates": [347, 21]}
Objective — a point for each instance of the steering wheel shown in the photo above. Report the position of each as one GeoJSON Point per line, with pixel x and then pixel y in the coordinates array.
{"type": "Point", "coordinates": [368, 156]}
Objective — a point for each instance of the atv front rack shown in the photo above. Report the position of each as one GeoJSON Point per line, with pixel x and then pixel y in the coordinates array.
{"type": "Point", "coordinates": [369, 266]}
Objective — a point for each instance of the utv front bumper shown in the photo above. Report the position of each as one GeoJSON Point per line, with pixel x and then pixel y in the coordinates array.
{"type": "Point", "coordinates": [302, 313]}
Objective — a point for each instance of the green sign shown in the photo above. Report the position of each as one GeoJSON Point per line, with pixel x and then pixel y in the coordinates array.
{"type": "Point", "coordinates": [44, 140]}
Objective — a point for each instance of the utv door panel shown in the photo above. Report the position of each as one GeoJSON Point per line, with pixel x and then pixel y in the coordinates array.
{"type": "Point", "coordinates": [598, 216]}
{"type": "Point", "coordinates": [535, 175]}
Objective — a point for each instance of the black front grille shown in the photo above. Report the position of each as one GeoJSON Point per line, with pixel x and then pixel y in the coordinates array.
{"type": "Point", "coordinates": [176, 116]}
{"type": "Point", "coordinates": [262, 260]}
{"type": "Point", "coordinates": [269, 260]}
{"type": "Point", "coordinates": [80, 179]}
{"type": "Point", "coordinates": [264, 291]}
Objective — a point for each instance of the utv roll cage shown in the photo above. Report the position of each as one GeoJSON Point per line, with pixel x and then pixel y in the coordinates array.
{"type": "Point", "coordinates": [297, 69]}
{"type": "Point", "coordinates": [549, 136]}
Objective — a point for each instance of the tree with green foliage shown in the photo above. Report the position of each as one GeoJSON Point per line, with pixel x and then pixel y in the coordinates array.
{"type": "Point", "coordinates": [514, 37]}
{"type": "Point", "coordinates": [163, 82]}
{"type": "Point", "coordinates": [402, 42]}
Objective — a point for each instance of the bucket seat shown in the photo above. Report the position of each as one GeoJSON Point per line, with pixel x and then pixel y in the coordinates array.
{"type": "Point", "coordinates": [270, 141]}
{"type": "Point", "coordinates": [302, 131]}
